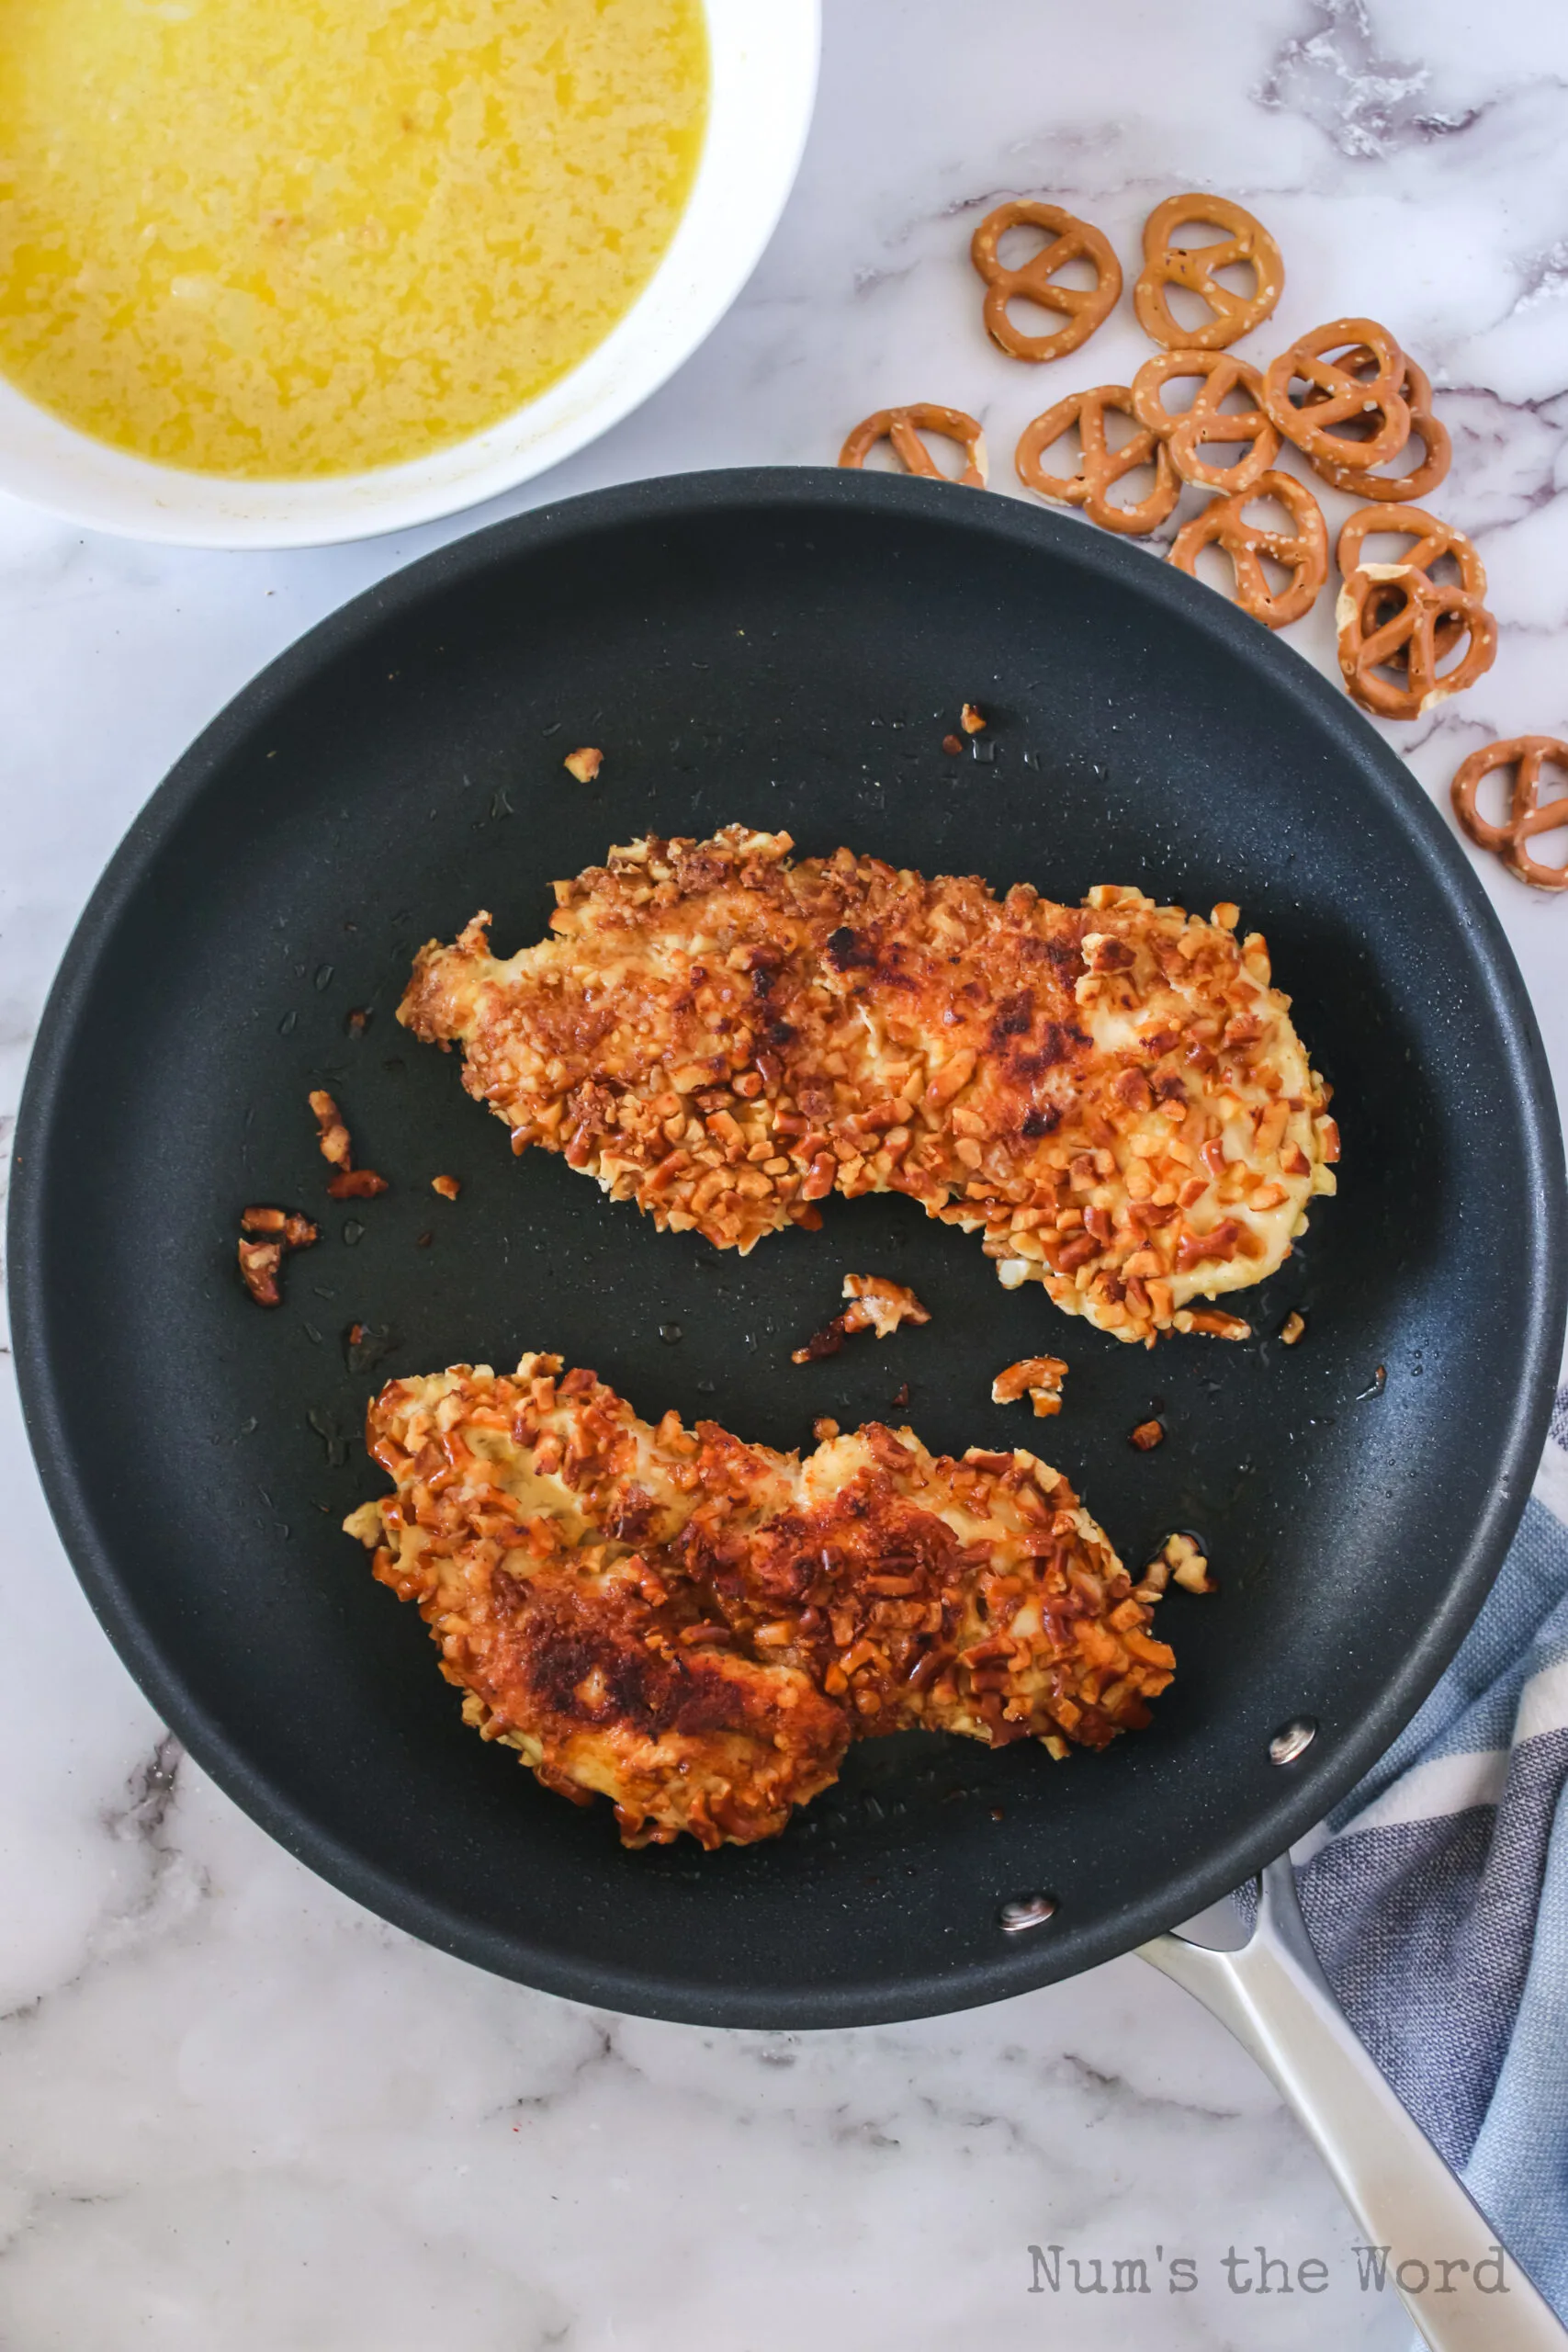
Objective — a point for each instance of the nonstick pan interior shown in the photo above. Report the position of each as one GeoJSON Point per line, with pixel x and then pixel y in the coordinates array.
{"type": "Point", "coordinates": [787, 650]}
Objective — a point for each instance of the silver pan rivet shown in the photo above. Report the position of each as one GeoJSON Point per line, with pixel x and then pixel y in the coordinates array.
{"type": "Point", "coordinates": [1292, 1739]}
{"type": "Point", "coordinates": [1029, 1911]}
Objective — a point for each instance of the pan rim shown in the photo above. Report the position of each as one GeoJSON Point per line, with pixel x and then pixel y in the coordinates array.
{"type": "Point", "coordinates": [1303, 1798]}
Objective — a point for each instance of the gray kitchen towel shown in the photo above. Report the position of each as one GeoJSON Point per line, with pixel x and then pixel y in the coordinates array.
{"type": "Point", "coordinates": [1438, 1901]}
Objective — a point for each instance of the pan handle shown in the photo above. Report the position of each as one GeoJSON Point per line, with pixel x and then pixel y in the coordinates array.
{"type": "Point", "coordinates": [1274, 1998]}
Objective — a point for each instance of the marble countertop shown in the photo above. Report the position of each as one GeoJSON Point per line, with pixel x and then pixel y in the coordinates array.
{"type": "Point", "coordinates": [234, 2108]}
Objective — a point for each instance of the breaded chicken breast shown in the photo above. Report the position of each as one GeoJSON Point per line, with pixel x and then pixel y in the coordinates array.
{"type": "Point", "coordinates": [698, 1628]}
{"type": "Point", "coordinates": [1111, 1094]}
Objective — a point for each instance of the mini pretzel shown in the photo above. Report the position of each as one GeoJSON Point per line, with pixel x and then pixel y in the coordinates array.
{"type": "Point", "coordinates": [904, 426]}
{"type": "Point", "coordinates": [1194, 267]}
{"type": "Point", "coordinates": [1071, 240]}
{"type": "Point", "coordinates": [1368, 641]}
{"type": "Point", "coordinates": [1304, 551]}
{"type": "Point", "coordinates": [1338, 395]}
{"type": "Point", "coordinates": [1433, 539]}
{"type": "Point", "coordinates": [1346, 472]}
{"type": "Point", "coordinates": [1523, 755]}
{"type": "Point", "coordinates": [1186, 434]}
{"type": "Point", "coordinates": [1100, 465]}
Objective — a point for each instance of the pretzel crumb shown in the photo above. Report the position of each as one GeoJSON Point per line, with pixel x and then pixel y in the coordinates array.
{"type": "Point", "coordinates": [1146, 1436]}
{"type": "Point", "coordinates": [952, 745]}
{"type": "Point", "coordinates": [298, 1231]}
{"type": "Point", "coordinates": [825, 1430]}
{"type": "Point", "coordinates": [1292, 1329]}
{"type": "Point", "coordinates": [356, 1184]}
{"type": "Point", "coordinates": [330, 1133]}
{"type": "Point", "coordinates": [447, 1186]}
{"type": "Point", "coordinates": [876, 1305]}
{"type": "Point", "coordinates": [1212, 1322]}
{"type": "Point", "coordinates": [1227, 915]}
{"type": "Point", "coordinates": [260, 1263]}
{"type": "Point", "coordinates": [1187, 1564]}
{"type": "Point", "coordinates": [972, 719]}
{"type": "Point", "coordinates": [583, 765]}
{"type": "Point", "coordinates": [349, 1183]}
{"type": "Point", "coordinates": [1038, 1379]}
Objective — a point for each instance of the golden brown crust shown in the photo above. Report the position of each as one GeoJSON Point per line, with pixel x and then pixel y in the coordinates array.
{"type": "Point", "coordinates": [1112, 1093]}
{"type": "Point", "coordinates": [698, 1628]}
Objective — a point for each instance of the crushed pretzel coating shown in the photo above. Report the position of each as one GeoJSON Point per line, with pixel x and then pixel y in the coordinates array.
{"type": "Point", "coordinates": [1146, 1436]}
{"type": "Point", "coordinates": [1111, 1095]}
{"type": "Point", "coordinates": [583, 765]}
{"type": "Point", "coordinates": [1038, 1379]}
{"type": "Point", "coordinates": [447, 1186]}
{"type": "Point", "coordinates": [1292, 1329]}
{"type": "Point", "coordinates": [698, 1628]}
{"type": "Point", "coordinates": [972, 719]}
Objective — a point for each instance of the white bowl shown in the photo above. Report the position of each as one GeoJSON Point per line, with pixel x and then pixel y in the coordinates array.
{"type": "Point", "coordinates": [764, 57]}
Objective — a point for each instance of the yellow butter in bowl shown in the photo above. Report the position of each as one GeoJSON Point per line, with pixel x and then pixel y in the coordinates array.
{"type": "Point", "coordinates": [291, 238]}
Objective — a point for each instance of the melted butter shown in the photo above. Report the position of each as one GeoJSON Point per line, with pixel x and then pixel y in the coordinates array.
{"type": "Point", "coordinates": [299, 237]}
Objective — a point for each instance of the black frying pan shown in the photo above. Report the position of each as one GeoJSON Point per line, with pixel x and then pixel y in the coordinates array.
{"type": "Point", "coordinates": [787, 649]}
